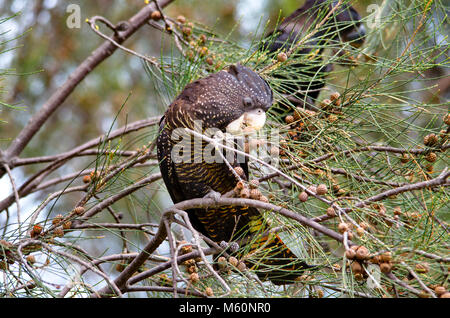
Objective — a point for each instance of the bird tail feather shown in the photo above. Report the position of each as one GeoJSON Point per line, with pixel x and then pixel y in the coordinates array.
{"type": "Point", "coordinates": [270, 258]}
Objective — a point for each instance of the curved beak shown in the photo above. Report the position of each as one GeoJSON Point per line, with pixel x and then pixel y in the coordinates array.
{"type": "Point", "coordinates": [249, 122]}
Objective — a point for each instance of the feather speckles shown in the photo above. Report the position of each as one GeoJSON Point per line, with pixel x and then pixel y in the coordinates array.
{"type": "Point", "coordinates": [211, 102]}
{"type": "Point", "coordinates": [239, 96]}
{"type": "Point", "coordinates": [219, 98]}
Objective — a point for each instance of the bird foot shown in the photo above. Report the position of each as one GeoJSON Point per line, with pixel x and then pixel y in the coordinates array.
{"type": "Point", "coordinates": [233, 246]}
{"type": "Point", "coordinates": [213, 195]}
{"type": "Point", "coordinates": [223, 245]}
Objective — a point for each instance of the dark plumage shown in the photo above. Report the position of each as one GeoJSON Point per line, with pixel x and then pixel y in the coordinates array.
{"type": "Point", "coordinates": [217, 101]}
{"type": "Point", "coordinates": [343, 25]}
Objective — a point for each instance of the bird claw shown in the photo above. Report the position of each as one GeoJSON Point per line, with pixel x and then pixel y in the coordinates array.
{"type": "Point", "coordinates": [223, 245]}
{"type": "Point", "coordinates": [233, 246]}
{"type": "Point", "coordinates": [213, 195]}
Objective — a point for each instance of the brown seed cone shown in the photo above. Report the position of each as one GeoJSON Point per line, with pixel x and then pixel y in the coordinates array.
{"type": "Point", "coordinates": [431, 157]}
{"type": "Point", "coordinates": [282, 57]}
{"type": "Point", "coordinates": [263, 199]}
{"type": "Point", "coordinates": [336, 98]}
{"type": "Point", "coordinates": [303, 196]}
{"type": "Point", "coordinates": [386, 257]}
{"type": "Point", "coordinates": [31, 259]}
{"type": "Point", "coordinates": [94, 175]}
{"type": "Point", "coordinates": [67, 225]}
{"type": "Point", "coordinates": [87, 179]}
{"type": "Point", "coordinates": [385, 267]}
{"type": "Point", "coordinates": [331, 212]}
{"type": "Point", "coordinates": [350, 254]}
{"type": "Point", "coordinates": [203, 51]}
{"type": "Point", "coordinates": [120, 267]}
{"type": "Point", "coordinates": [447, 119]}
{"type": "Point", "coordinates": [325, 103]}
{"type": "Point", "coordinates": [209, 292]}
{"type": "Point", "coordinates": [360, 231]}
{"type": "Point", "coordinates": [59, 232]}
{"type": "Point", "coordinates": [397, 210]}
{"type": "Point", "coordinates": [446, 295]}
{"type": "Point", "coordinates": [321, 189]}
{"type": "Point", "coordinates": [57, 219]}
{"type": "Point", "coordinates": [202, 39]}
{"type": "Point", "coordinates": [356, 267]}
{"type": "Point", "coordinates": [192, 269]}
{"type": "Point", "coordinates": [364, 225]}
{"type": "Point", "coordinates": [164, 280]}
{"type": "Point", "coordinates": [362, 253]}
{"type": "Point", "coordinates": [194, 278]}
{"type": "Point", "coordinates": [332, 118]}
{"type": "Point", "coordinates": [313, 189]}
{"type": "Point", "coordinates": [375, 259]}
{"type": "Point", "coordinates": [79, 210]}
{"type": "Point", "coordinates": [190, 55]}
{"type": "Point", "coordinates": [342, 227]}
{"type": "Point", "coordinates": [336, 187]}
{"type": "Point", "coordinates": [156, 15]}
{"type": "Point", "coordinates": [310, 113]}
{"type": "Point", "coordinates": [240, 185]}
{"type": "Point", "coordinates": [186, 31]}
{"type": "Point", "coordinates": [289, 119]}
{"type": "Point", "coordinates": [233, 261]}
{"type": "Point", "coordinates": [186, 248]}
{"type": "Point", "coordinates": [404, 158]}
{"type": "Point", "coordinates": [440, 290]}
{"type": "Point", "coordinates": [298, 113]}
{"type": "Point", "coordinates": [222, 262]}
{"type": "Point", "coordinates": [241, 266]}
{"type": "Point", "coordinates": [37, 229]}
{"type": "Point", "coordinates": [430, 140]}
{"type": "Point", "coordinates": [350, 235]}
{"type": "Point", "coordinates": [320, 293]}
{"type": "Point", "coordinates": [292, 133]}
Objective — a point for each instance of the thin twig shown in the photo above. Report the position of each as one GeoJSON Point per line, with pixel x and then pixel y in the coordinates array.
{"type": "Point", "coordinates": [76, 77]}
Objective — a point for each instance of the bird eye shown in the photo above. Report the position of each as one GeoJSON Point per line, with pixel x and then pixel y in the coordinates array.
{"type": "Point", "coordinates": [247, 102]}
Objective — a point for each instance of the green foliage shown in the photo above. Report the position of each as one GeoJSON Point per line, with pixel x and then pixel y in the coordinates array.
{"type": "Point", "coordinates": [5, 47]}
{"type": "Point", "coordinates": [367, 142]}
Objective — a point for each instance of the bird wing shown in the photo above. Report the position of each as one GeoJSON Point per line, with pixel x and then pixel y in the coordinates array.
{"type": "Point", "coordinates": [166, 165]}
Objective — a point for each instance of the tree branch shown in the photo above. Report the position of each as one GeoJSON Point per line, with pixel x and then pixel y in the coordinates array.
{"type": "Point", "coordinates": [56, 100]}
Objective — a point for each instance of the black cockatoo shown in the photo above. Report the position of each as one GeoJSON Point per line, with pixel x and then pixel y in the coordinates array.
{"type": "Point", "coordinates": [305, 80]}
{"type": "Point", "coordinates": [230, 101]}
